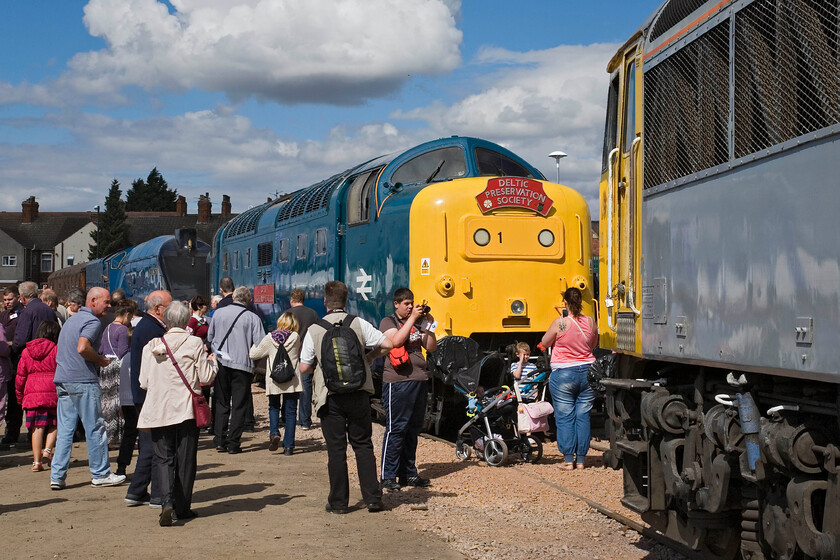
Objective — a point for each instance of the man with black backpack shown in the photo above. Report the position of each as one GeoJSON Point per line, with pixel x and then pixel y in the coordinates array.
{"type": "Point", "coordinates": [334, 352]}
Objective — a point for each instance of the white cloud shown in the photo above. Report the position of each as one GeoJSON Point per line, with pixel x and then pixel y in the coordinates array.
{"type": "Point", "coordinates": [321, 51]}
{"type": "Point", "coordinates": [537, 102]}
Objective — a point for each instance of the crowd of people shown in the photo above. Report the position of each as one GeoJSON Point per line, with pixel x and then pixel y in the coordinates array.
{"type": "Point", "coordinates": [92, 363]}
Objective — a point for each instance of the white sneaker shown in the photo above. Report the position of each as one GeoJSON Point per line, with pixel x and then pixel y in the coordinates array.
{"type": "Point", "coordinates": [110, 480]}
{"type": "Point", "coordinates": [57, 485]}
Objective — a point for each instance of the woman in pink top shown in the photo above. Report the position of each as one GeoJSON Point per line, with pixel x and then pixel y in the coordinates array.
{"type": "Point", "coordinates": [573, 338]}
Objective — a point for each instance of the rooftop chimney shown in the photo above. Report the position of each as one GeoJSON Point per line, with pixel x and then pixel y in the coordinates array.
{"type": "Point", "coordinates": [181, 206]}
{"type": "Point", "coordinates": [204, 207]}
{"type": "Point", "coordinates": [225, 205]}
{"type": "Point", "coordinates": [30, 210]}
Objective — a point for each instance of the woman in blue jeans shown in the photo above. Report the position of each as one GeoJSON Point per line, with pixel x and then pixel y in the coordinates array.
{"type": "Point", "coordinates": [284, 395]}
{"type": "Point", "coordinates": [573, 337]}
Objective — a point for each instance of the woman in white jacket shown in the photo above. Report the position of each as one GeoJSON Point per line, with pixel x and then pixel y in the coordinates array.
{"type": "Point", "coordinates": [286, 394]}
{"type": "Point", "coordinates": [168, 409]}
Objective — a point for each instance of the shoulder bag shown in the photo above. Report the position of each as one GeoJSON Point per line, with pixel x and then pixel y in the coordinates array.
{"type": "Point", "coordinates": [201, 409]}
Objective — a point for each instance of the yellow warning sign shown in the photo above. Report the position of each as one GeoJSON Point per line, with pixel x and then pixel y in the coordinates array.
{"type": "Point", "coordinates": [425, 266]}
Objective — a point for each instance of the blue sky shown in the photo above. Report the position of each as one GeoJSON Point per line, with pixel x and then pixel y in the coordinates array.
{"type": "Point", "coordinates": [249, 97]}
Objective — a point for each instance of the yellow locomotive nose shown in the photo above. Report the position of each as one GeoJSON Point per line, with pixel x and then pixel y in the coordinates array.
{"type": "Point", "coordinates": [490, 269]}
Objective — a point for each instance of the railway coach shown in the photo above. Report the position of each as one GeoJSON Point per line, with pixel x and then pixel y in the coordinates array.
{"type": "Point", "coordinates": [470, 227]}
{"type": "Point", "coordinates": [720, 275]}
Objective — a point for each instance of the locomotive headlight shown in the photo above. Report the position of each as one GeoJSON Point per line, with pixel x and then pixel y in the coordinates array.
{"type": "Point", "coordinates": [546, 238]}
{"type": "Point", "coordinates": [481, 237]}
{"type": "Point", "coordinates": [517, 307]}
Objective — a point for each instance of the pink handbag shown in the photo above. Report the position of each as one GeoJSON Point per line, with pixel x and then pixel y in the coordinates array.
{"type": "Point", "coordinates": [533, 417]}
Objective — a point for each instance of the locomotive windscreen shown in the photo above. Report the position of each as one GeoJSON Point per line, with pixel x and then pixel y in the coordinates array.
{"type": "Point", "coordinates": [186, 275]}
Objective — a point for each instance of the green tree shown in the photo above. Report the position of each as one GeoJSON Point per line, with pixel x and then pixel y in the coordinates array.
{"type": "Point", "coordinates": [112, 233]}
{"type": "Point", "coordinates": [151, 195]}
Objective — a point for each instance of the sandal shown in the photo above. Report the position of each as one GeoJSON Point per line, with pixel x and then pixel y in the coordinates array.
{"type": "Point", "coordinates": [47, 455]}
{"type": "Point", "coordinates": [37, 467]}
{"type": "Point", "coordinates": [566, 466]}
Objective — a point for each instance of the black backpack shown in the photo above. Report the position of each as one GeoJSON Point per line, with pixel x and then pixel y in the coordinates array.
{"type": "Point", "coordinates": [282, 370]}
{"type": "Point", "coordinates": [342, 357]}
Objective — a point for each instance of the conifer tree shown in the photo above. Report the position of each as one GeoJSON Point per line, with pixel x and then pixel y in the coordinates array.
{"type": "Point", "coordinates": [151, 195]}
{"type": "Point", "coordinates": [113, 226]}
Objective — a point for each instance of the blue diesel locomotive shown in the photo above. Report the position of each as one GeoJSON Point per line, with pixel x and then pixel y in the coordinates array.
{"type": "Point", "coordinates": [470, 227]}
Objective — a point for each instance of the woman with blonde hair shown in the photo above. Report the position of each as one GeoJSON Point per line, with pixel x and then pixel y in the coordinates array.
{"type": "Point", "coordinates": [288, 393]}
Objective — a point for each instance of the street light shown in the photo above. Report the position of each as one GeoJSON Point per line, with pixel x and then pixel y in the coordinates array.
{"type": "Point", "coordinates": [98, 229]}
{"type": "Point", "coordinates": [558, 155]}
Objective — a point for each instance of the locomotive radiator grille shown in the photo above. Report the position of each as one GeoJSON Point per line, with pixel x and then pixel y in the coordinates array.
{"type": "Point", "coordinates": [626, 337]}
{"type": "Point", "coordinates": [687, 109]}
{"type": "Point", "coordinates": [787, 78]}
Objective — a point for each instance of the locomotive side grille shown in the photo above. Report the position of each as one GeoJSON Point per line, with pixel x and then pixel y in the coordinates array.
{"type": "Point", "coordinates": [626, 331]}
{"type": "Point", "coordinates": [687, 108]}
{"type": "Point", "coordinates": [265, 253]}
{"type": "Point", "coordinates": [247, 221]}
{"type": "Point", "coordinates": [787, 79]}
{"type": "Point", "coordinates": [308, 200]}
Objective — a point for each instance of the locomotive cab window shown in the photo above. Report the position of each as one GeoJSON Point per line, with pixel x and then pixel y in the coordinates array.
{"type": "Point", "coordinates": [629, 122]}
{"type": "Point", "coordinates": [301, 247]}
{"type": "Point", "coordinates": [438, 165]}
{"type": "Point", "coordinates": [494, 164]}
{"type": "Point", "coordinates": [283, 250]}
{"type": "Point", "coordinates": [611, 126]}
{"type": "Point", "coordinates": [321, 241]}
{"type": "Point", "coordinates": [358, 198]}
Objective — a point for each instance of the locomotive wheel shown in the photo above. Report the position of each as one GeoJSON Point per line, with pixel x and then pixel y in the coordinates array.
{"type": "Point", "coordinates": [495, 452]}
{"type": "Point", "coordinates": [532, 449]}
{"type": "Point", "coordinates": [462, 451]}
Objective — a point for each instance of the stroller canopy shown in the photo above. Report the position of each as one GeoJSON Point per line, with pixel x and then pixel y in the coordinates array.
{"type": "Point", "coordinates": [458, 361]}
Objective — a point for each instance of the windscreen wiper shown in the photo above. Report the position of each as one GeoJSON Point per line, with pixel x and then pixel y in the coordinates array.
{"type": "Point", "coordinates": [436, 171]}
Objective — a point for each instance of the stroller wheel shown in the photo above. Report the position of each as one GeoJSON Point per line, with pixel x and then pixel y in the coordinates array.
{"type": "Point", "coordinates": [495, 452]}
{"type": "Point", "coordinates": [462, 451]}
{"type": "Point", "coordinates": [531, 449]}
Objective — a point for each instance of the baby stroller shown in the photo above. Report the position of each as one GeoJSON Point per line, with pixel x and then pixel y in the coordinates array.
{"type": "Point", "coordinates": [491, 431]}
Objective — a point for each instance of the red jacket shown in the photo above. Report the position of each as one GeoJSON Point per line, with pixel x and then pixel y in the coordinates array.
{"type": "Point", "coordinates": [34, 384]}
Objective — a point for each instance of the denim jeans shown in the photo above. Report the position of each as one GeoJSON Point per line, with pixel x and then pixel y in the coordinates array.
{"type": "Point", "coordinates": [572, 399]}
{"type": "Point", "coordinates": [305, 404]}
{"type": "Point", "coordinates": [290, 402]}
{"type": "Point", "coordinates": [287, 402]}
{"type": "Point", "coordinates": [80, 400]}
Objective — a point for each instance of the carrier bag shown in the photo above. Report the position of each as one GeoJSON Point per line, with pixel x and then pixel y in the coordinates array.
{"type": "Point", "coordinates": [533, 417]}
{"type": "Point", "coordinates": [282, 370]}
{"type": "Point", "coordinates": [342, 357]}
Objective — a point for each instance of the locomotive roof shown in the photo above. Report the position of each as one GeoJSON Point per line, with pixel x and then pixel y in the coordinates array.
{"type": "Point", "coordinates": [316, 197]}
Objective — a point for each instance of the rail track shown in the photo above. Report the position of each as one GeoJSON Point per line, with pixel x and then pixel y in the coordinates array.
{"type": "Point", "coordinates": [643, 530]}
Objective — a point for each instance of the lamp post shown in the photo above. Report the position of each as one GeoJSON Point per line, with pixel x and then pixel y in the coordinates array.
{"type": "Point", "coordinates": [99, 229]}
{"type": "Point", "coordinates": [558, 155]}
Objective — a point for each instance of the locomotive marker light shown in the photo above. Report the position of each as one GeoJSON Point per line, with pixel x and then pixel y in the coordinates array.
{"type": "Point", "coordinates": [546, 238]}
{"type": "Point", "coordinates": [481, 237]}
{"type": "Point", "coordinates": [558, 155]}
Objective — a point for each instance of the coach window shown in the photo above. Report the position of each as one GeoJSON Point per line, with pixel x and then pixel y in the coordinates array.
{"type": "Point", "coordinates": [236, 260]}
{"type": "Point", "coordinates": [321, 241]}
{"type": "Point", "coordinates": [358, 198]}
{"type": "Point", "coordinates": [248, 257]}
{"type": "Point", "coordinates": [283, 250]}
{"type": "Point", "coordinates": [494, 164]}
{"type": "Point", "coordinates": [301, 247]}
{"type": "Point", "coordinates": [629, 105]}
{"type": "Point", "coordinates": [439, 165]}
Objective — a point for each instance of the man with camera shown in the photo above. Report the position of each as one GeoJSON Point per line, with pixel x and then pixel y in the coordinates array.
{"type": "Point", "coordinates": [405, 388]}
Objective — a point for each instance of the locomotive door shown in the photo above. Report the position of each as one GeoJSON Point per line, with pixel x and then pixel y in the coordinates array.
{"type": "Point", "coordinates": [357, 244]}
{"type": "Point", "coordinates": [621, 204]}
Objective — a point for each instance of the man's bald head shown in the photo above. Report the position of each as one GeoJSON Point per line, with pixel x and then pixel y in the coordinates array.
{"type": "Point", "coordinates": [98, 300]}
{"type": "Point", "coordinates": [157, 302]}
